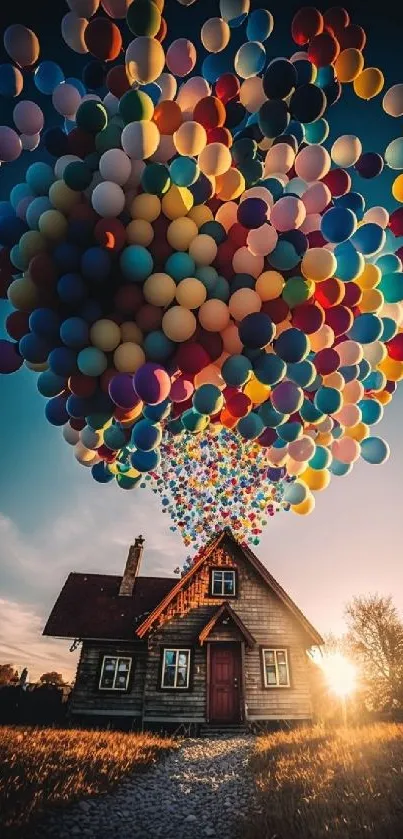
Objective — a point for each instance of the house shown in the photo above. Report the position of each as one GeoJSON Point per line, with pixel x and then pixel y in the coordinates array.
{"type": "Point", "coordinates": [223, 645]}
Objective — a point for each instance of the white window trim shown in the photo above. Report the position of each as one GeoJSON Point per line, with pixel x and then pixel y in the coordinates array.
{"type": "Point", "coordinates": [118, 658]}
{"type": "Point", "coordinates": [275, 650]}
{"type": "Point", "coordinates": [223, 571]}
{"type": "Point", "coordinates": [176, 650]}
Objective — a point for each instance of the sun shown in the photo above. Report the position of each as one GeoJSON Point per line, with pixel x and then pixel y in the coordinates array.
{"type": "Point", "coordinates": [340, 673]}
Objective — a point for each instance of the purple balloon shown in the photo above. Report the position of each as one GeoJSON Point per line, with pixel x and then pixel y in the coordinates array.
{"type": "Point", "coordinates": [369, 165]}
{"type": "Point", "coordinates": [152, 383]}
{"type": "Point", "coordinates": [121, 391]}
{"type": "Point", "coordinates": [287, 397]}
{"type": "Point", "coordinates": [267, 438]}
{"type": "Point", "coordinates": [10, 359]}
{"type": "Point", "coordinates": [10, 144]}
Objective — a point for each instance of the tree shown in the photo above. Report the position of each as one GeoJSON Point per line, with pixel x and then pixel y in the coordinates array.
{"type": "Point", "coordinates": [52, 678]}
{"type": "Point", "coordinates": [376, 637]}
{"type": "Point", "coordinates": [7, 674]}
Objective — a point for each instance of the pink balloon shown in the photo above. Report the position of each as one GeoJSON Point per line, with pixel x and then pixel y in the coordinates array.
{"type": "Point", "coordinates": [28, 117]}
{"type": "Point", "coordinates": [10, 144]}
{"type": "Point", "coordinates": [301, 450]}
{"type": "Point", "coordinates": [22, 207]}
{"type": "Point", "coordinates": [30, 141]}
{"type": "Point", "coordinates": [181, 389]}
{"type": "Point", "coordinates": [346, 450]}
{"type": "Point", "coordinates": [288, 214]}
{"type": "Point", "coordinates": [312, 163]}
{"type": "Point", "coordinates": [116, 8]}
{"type": "Point", "coordinates": [317, 197]}
{"type": "Point", "coordinates": [350, 353]}
{"type": "Point", "coordinates": [262, 240]}
{"type": "Point", "coordinates": [349, 415]}
{"type": "Point", "coordinates": [181, 57]}
{"type": "Point", "coordinates": [66, 99]}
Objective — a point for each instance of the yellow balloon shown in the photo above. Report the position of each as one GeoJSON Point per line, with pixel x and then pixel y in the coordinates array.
{"type": "Point", "coordinates": [393, 370]}
{"type": "Point", "coordinates": [139, 232]}
{"type": "Point", "coordinates": [334, 380]}
{"type": "Point", "coordinates": [244, 302]}
{"type": "Point", "coordinates": [318, 264]}
{"type": "Point", "coordinates": [179, 323]}
{"type": "Point", "coordinates": [372, 300]}
{"type": "Point", "coordinates": [369, 83]}
{"type": "Point", "coordinates": [215, 159]}
{"type": "Point", "coordinates": [105, 334]}
{"type": "Point", "coordinates": [316, 479]}
{"type": "Point", "coordinates": [357, 432]}
{"type": "Point", "coordinates": [62, 197]}
{"type": "Point", "coordinates": [230, 185]}
{"type": "Point", "coordinates": [324, 439]}
{"type": "Point", "coordinates": [53, 225]}
{"type": "Point", "coordinates": [203, 249]}
{"type": "Point", "coordinates": [181, 232]}
{"type": "Point", "coordinates": [191, 293]}
{"type": "Point", "coordinates": [31, 243]}
{"type": "Point", "coordinates": [397, 188]}
{"type": "Point", "coordinates": [146, 207]}
{"type": "Point", "coordinates": [23, 294]}
{"type": "Point", "coordinates": [370, 277]}
{"type": "Point", "coordinates": [384, 397]}
{"type": "Point", "coordinates": [190, 138]}
{"type": "Point", "coordinates": [200, 214]}
{"type": "Point", "coordinates": [349, 65]}
{"type": "Point", "coordinates": [305, 507]}
{"type": "Point", "coordinates": [159, 289]}
{"type": "Point", "coordinates": [128, 357]}
{"type": "Point", "coordinates": [129, 331]}
{"type": "Point", "coordinates": [144, 60]}
{"type": "Point", "coordinates": [177, 202]}
{"type": "Point", "coordinates": [227, 214]}
{"type": "Point", "coordinates": [256, 391]}
{"type": "Point", "coordinates": [294, 467]}
{"type": "Point", "coordinates": [269, 285]}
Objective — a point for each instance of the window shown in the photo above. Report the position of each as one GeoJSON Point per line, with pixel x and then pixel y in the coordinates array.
{"type": "Point", "coordinates": [223, 582]}
{"type": "Point", "coordinates": [175, 669]}
{"type": "Point", "coordinates": [275, 669]}
{"type": "Point", "coordinates": [115, 672]}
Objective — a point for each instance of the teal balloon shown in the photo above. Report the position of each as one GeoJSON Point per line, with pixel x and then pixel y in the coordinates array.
{"type": "Point", "coordinates": [295, 493]}
{"type": "Point", "coordinates": [394, 154]}
{"type": "Point", "coordinates": [125, 482]}
{"type": "Point", "coordinates": [92, 116]}
{"type": "Point", "coordinates": [98, 420]}
{"type": "Point", "coordinates": [146, 435]}
{"type": "Point", "coordinates": [35, 209]}
{"type": "Point", "coordinates": [157, 346]}
{"type": "Point", "coordinates": [328, 399]}
{"type": "Point", "coordinates": [317, 132]}
{"type": "Point", "coordinates": [371, 410]}
{"type": "Point", "coordinates": [236, 370]}
{"type": "Point", "coordinates": [389, 263]}
{"type": "Point", "coordinates": [366, 328]}
{"type": "Point", "coordinates": [369, 239]}
{"type": "Point", "coordinates": [136, 263]}
{"type": "Point", "coordinates": [390, 329]}
{"type": "Point", "coordinates": [18, 192]}
{"type": "Point", "coordinates": [251, 426]}
{"type": "Point", "coordinates": [270, 417]}
{"type": "Point", "coordinates": [221, 290]}
{"type": "Point", "coordinates": [180, 265]}
{"type": "Point", "coordinates": [91, 361]}
{"type": "Point", "coordinates": [114, 437]}
{"type": "Point", "coordinates": [208, 399]}
{"type": "Point", "coordinates": [145, 461]}
{"type": "Point", "coordinates": [340, 469]}
{"type": "Point", "coordinates": [184, 171]}
{"type": "Point", "coordinates": [284, 257]}
{"type": "Point", "coordinates": [155, 179]}
{"type": "Point", "coordinates": [108, 138]}
{"type": "Point", "coordinates": [193, 421]}
{"type": "Point", "coordinates": [290, 431]}
{"type": "Point", "coordinates": [374, 450]}
{"type": "Point", "coordinates": [101, 474]}
{"type": "Point", "coordinates": [250, 59]}
{"type": "Point", "coordinates": [269, 369]}
{"type": "Point", "coordinates": [260, 25]}
{"type": "Point", "coordinates": [391, 286]}
{"type": "Point", "coordinates": [321, 459]}
{"type": "Point", "coordinates": [296, 186]}
{"type": "Point", "coordinates": [310, 413]}
{"type": "Point", "coordinates": [207, 275]}
{"type": "Point", "coordinates": [350, 263]}
{"type": "Point", "coordinates": [303, 373]}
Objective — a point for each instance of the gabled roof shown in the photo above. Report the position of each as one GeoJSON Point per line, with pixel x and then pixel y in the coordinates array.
{"type": "Point", "coordinates": [89, 606]}
{"type": "Point", "coordinates": [226, 534]}
{"type": "Point", "coordinates": [224, 612]}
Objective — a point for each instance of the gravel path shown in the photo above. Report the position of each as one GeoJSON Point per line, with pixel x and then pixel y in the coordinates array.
{"type": "Point", "coordinates": [200, 791]}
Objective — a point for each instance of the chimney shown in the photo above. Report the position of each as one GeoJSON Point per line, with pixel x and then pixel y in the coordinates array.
{"type": "Point", "coordinates": [132, 567]}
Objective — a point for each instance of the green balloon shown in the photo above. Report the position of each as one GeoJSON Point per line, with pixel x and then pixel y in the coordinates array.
{"type": "Point", "coordinates": [296, 291]}
{"type": "Point", "coordinates": [92, 116]}
{"type": "Point", "coordinates": [77, 176]}
{"type": "Point", "coordinates": [155, 179]}
{"type": "Point", "coordinates": [143, 18]}
{"type": "Point", "coordinates": [109, 138]}
{"type": "Point", "coordinates": [135, 105]}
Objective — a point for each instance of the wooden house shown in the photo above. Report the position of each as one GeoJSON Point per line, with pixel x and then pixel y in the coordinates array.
{"type": "Point", "coordinates": [224, 645]}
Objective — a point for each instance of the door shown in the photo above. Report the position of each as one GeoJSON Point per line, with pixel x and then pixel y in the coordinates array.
{"type": "Point", "coordinates": [225, 682]}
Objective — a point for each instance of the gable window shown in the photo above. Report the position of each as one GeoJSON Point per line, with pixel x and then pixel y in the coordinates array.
{"type": "Point", "coordinates": [275, 668]}
{"type": "Point", "coordinates": [115, 672]}
{"type": "Point", "coordinates": [223, 582]}
{"type": "Point", "coordinates": [175, 669]}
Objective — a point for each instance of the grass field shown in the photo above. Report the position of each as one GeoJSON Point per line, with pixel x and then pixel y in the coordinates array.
{"type": "Point", "coordinates": [44, 767]}
{"type": "Point", "coordinates": [344, 784]}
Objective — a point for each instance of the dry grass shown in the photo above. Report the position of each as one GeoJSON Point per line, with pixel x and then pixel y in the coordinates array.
{"type": "Point", "coordinates": [316, 784]}
{"type": "Point", "coordinates": [45, 767]}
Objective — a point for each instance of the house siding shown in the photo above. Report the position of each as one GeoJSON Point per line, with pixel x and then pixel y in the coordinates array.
{"type": "Point", "coordinates": [87, 699]}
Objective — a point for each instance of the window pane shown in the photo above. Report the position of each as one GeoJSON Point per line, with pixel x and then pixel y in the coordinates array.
{"type": "Point", "coordinates": [109, 664]}
{"type": "Point", "coordinates": [183, 659]}
{"type": "Point", "coordinates": [282, 674]}
{"type": "Point", "coordinates": [170, 657]}
{"type": "Point", "coordinates": [121, 681]}
{"type": "Point", "coordinates": [269, 657]}
{"type": "Point", "coordinates": [281, 657]}
{"type": "Point", "coordinates": [169, 677]}
{"type": "Point", "coordinates": [181, 681]}
{"type": "Point", "coordinates": [217, 582]}
{"type": "Point", "coordinates": [271, 677]}
{"type": "Point", "coordinates": [123, 666]}
{"type": "Point", "coordinates": [107, 680]}
{"type": "Point", "coordinates": [229, 582]}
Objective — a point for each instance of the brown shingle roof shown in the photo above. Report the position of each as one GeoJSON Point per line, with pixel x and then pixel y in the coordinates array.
{"type": "Point", "coordinates": [89, 606]}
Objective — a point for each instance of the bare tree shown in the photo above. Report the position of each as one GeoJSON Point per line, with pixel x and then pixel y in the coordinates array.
{"type": "Point", "coordinates": [7, 674]}
{"type": "Point", "coordinates": [376, 638]}
{"type": "Point", "coordinates": [52, 678]}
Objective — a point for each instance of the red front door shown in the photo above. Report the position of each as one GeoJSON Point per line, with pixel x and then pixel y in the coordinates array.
{"type": "Point", "coordinates": [225, 682]}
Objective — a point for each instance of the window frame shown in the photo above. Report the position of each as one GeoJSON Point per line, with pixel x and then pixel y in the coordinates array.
{"type": "Point", "coordinates": [222, 569]}
{"type": "Point", "coordinates": [275, 650]}
{"type": "Point", "coordinates": [112, 688]}
{"type": "Point", "coordinates": [177, 650]}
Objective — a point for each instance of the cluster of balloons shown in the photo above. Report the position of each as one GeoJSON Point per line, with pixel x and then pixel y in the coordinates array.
{"type": "Point", "coordinates": [195, 258]}
{"type": "Point", "coordinates": [207, 483]}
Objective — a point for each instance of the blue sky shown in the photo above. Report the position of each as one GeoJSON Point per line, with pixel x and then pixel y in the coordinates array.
{"type": "Point", "coordinates": [54, 518]}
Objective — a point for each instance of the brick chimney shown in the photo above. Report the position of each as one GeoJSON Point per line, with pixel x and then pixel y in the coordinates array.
{"type": "Point", "coordinates": [132, 567]}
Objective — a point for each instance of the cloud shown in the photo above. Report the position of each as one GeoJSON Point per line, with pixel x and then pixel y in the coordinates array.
{"type": "Point", "coordinates": [22, 644]}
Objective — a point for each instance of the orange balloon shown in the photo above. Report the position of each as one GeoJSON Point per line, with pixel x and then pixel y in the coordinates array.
{"type": "Point", "coordinates": [167, 116]}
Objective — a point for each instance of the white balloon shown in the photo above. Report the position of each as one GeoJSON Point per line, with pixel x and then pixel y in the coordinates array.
{"type": "Point", "coordinates": [108, 199]}
{"type": "Point", "coordinates": [115, 166]}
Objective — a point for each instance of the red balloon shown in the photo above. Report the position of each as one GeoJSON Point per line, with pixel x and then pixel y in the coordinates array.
{"type": "Point", "coordinates": [225, 253]}
{"type": "Point", "coordinates": [396, 222]}
{"type": "Point", "coordinates": [336, 19]}
{"type": "Point", "coordinates": [80, 142]}
{"type": "Point", "coordinates": [338, 181]}
{"type": "Point", "coordinates": [238, 235]}
{"type": "Point", "coordinates": [352, 36]}
{"type": "Point", "coordinates": [395, 347]}
{"type": "Point", "coordinates": [162, 32]}
{"type": "Point", "coordinates": [84, 212]}
{"type": "Point", "coordinates": [307, 23]}
{"type": "Point", "coordinates": [77, 424]}
{"type": "Point", "coordinates": [82, 385]}
{"type": "Point", "coordinates": [209, 112]}
{"type": "Point", "coordinates": [110, 233]}
{"type": "Point", "coordinates": [191, 357]}
{"type": "Point", "coordinates": [277, 309]}
{"type": "Point", "coordinates": [42, 270]}
{"type": "Point", "coordinates": [210, 341]}
{"type": "Point", "coordinates": [309, 317]}
{"type": "Point", "coordinates": [128, 299]}
{"type": "Point", "coordinates": [239, 405]}
{"type": "Point", "coordinates": [326, 361]}
{"type": "Point", "coordinates": [315, 239]}
{"type": "Point", "coordinates": [105, 378]}
{"type": "Point", "coordinates": [107, 454]}
{"type": "Point", "coordinates": [267, 439]}
{"type": "Point", "coordinates": [117, 81]}
{"type": "Point", "coordinates": [220, 135]}
{"type": "Point", "coordinates": [339, 318]}
{"type": "Point", "coordinates": [227, 87]}
{"type": "Point", "coordinates": [103, 39]}
{"type": "Point", "coordinates": [352, 295]}
{"type": "Point", "coordinates": [330, 292]}
{"type": "Point", "coordinates": [17, 324]}
{"type": "Point", "coordinates": [149, 317]}
{"type": "Point", "coordinates": [323, 49]}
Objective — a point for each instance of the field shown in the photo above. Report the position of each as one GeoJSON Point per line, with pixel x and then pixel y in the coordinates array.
{"type": "Point", "coordinates": [45, 767]}
{"type": "Point", "coordinates": [344, 784]}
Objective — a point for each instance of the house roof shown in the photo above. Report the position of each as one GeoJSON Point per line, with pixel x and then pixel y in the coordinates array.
{"type": "Point", "coordinates": [89, 606]}
{"type": "Point", "coordinates": [226, 534]}
{"type": "Point", "coordinates": [224, 612]}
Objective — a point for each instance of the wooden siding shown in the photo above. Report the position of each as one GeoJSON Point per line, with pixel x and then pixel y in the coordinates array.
{"type": "Point", "coordinates": [267, 619]}
{"type": "Point", "coordinates": [88, 699]}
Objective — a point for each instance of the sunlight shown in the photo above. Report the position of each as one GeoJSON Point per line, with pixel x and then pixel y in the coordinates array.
{"type": "Point", "coordinates": [341, 674]}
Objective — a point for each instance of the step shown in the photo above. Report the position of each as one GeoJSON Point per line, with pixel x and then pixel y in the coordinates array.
{"type": "Point", "coordinates": [223, 731]}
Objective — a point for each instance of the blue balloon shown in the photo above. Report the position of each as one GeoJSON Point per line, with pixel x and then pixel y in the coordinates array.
{"type": "Point", "coordinates": [260, 25]}
{"type": "Point", "coordinates": [91, 361]}
{"type": "Point", "coordinates": [292, 345]}
{"type": "Point", "coordinates": [63, 361]}
{"type": "Point", "coordinates": [297, 130]}
{"type": "Point", "coordinates": [90, 311]}
{"type": "Point", "coordinates": [35, 210]}
{"type": "Point", "coordinates": [71, 288]}
{"type": "Point", "coordinates": [325, 76]}
{"type": "Point", "coordinates": [18, 192]}
{"type": "Point", "coordinates": [56, 412]}
{"type": "Point", "coordinates": [6, 210]}
{"type": "Point", "coordinates": [350, 263]}
{"type": "Point", "coordinates": [96, 264]}
{"type": "Point", "coordinates": [74, 333]}
{"type": "Point", "coordinates": [11, 230]}
{"type": "Point", "coordinates": [136, 263]}
{"type": "Point", "coordinates": [45, 322]}
{"type": "Point", "coordinates": [366, 328]}
{"type": "Point", "coordinates": [364, 368]}
{"type": "Point", "coordinates": [47, 76]}
{"type": "Point", "coordinates": [152, 90]}
{"type": "Point", "coordinates": [242, 281]}
{"type": "Point", "coordinates": [49, 384]}
{"type": "Point", "coordinates": [157, 346]}
{"type": "Point", "coordinates": [78, 84]}
{"type": "Point", "coordinates": [369, 239]}
{"type": "Point", "coordinates": [145, 461]}
{"type": "Point", "coordinates": [374, 450]}
{"type": "Point", "coordinates": [256, 330]}
{"type": "Point", "coordinates": [11, 81]}
{"type": "Point", "coordinates": [101, 474]}
{"type": "Point", "coordinates": [40, 177]}
{"type": "Point", "coordinates": [353, 201]}
{"type": "Point", "coordinates": [67, 257]}
{"type": "Point", "coordinates": [338, 224]}
{"type": "Point", "coordinates": [34, 348]}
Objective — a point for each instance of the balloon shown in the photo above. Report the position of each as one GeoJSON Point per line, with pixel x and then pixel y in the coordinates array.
{"type": "Point", "coordinates": [215, 34]}
{"type": "Point", "coordinates": [10, 145]}
{"type": "Point", "coordinates": [374, 450]}
{"type": "Point", "coordinates": [73, 31]}
{"type": "Point", "coordinates": [369, 83]}
{"type": "Point", "coordinates": [144, 60]}
{"type": "Point", "coordinates": [21, 44]}
{"type": "Point", "coordinates": [393, 101]}
{"type": "Point", "coordinates": [11, 81]}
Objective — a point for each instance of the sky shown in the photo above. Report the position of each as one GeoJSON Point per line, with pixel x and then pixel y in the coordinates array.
{"type": "Point", "coordinates": [55, 519]}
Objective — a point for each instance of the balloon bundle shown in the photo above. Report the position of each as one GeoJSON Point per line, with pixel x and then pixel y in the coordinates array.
{"type": "Point", "coordinates": [195, 257]}
{"type": "Point", "coordinates": [205, 483]}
